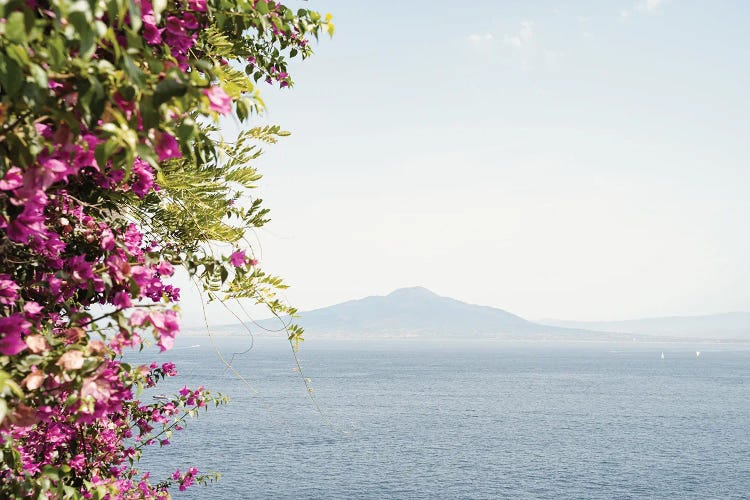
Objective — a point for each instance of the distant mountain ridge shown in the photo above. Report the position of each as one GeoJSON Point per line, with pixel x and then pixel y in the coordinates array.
{"type": "Point", "coordinates": [724, 326]}
{"type": "Point", "coordinates": [419, 312]}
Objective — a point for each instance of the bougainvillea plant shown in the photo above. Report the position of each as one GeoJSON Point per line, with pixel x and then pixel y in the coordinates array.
{"type": "Point", "coordinates": [112, 172]}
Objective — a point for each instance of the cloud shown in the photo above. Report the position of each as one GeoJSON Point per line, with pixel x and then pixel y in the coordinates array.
{"type": "Point", "coordinates": [584, 22]}
{"type": "Point", "coordinates": [480, 40]}
{"type": "Point", "coordinates": [528, 49]}
{"type": "Point", "coordinates": [643, 7]}
{"type": "Point", "coordinates": [649, 5]}
{"type": "Point", "coordinates": [521, 46]}
{"type": "Point", "coordinates": [552, 60]}
{"type": "Point", "coordinates": [522, 37]}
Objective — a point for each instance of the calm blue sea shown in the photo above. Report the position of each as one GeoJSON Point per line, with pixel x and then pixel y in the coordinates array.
{"type": "Point", "coordinates": [452, 419]}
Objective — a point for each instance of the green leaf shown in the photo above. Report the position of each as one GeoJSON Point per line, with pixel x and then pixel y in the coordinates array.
{"type": "Point", "coordinates": [52, 472]}
{"type": "Point", "coordinates": [81, 19]}
{"type": "Point", "coordinates": [262, 7]}
{"type": "Point", "coordinates": [32, 359]}
{"type": "Point", "coordinates": [186, 129]}
{"type": "Point", "coordinates": [203, 65]}
{"type": "Point", "coordinates": [167, 89]}
{"type": "Point", "coordinates": [56, 51]}
{"type": "Point", "coordinates": [15, 27]}
{"type": "Point", "coordinates": [242, 111]}
{"type": "Point", "coordinates": [149, 112]}
{"type": "Point", "coordinates": [135, 15]}
{"type": "Point", "coordinates": [105, 151]}
{"type": "Point", "coordinates": [10, 76]}
{"type": "Point", "coordinates": [127, 92]}
{"type": "Point", "coordinates": [147, 154]}
{"type": "Point", "coordinates": [92, 99]}
{"type": "Point", "coordinates": [132, 71]}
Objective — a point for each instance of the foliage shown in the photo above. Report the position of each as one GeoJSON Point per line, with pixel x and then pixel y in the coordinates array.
{"type": "Point", "coordinates": [112, 172]}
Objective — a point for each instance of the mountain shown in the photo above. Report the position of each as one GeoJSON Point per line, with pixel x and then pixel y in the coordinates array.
{"type": "Point", "coordinates": [419, 312]}
{"type": "Point", "coordinates": [726, 326]}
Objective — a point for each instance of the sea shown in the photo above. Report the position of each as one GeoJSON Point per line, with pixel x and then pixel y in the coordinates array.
{"type": "Point", "coordinates": [453, 419]}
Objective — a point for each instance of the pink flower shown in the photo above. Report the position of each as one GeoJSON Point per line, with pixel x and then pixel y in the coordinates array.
{"type": "Point", "coordinates": [189, 21]}
{"type": "Point", "coordinates": [144, 178]}
{"type": "Point", "coordinates": [219, 100]}
{"type": "Point", "coordinates": [32, 309]}
{"type": "Point", "coordinates": [138, 317]}
{"type": "Point", "coordinates": [96, 387]}
{"type": "Point", "coordinates": [167, 147]}
{"type": "Point", "coordinates": [166, 326]}
{"type": "Point", "coordinates": [71, 360]}
{"type": "Point", "coordinates": [133, 239]}
{"type": "Point", "coordinates": [121, 300]}
{"type": "Point", "coordinates": [77, 462]}
{"type": "Point", "coordinates": [151, 33]}
{"type": "Point", "coordinates": [107, 391]}
{"type": "Point", "coordinates": [97, 346]}
{"type": "Point", "coordinates": [238, 258]}
{"type": "Point", "coordinates": [177, 27]}
{"type": "Point", "coordinates": [80, 269]}
{"type": "Point", "coordinates": [37, 343]}
{"type": "Point", "coordinates": [165, 268]}
{"type": "Point", "coordinates": [197, 5]}
{"type": "Point", "coordinates": [11, 328]}
{"type": "Point", "coordinates": [24, 416]}
{"type": "Point", "coordinates": [107, 239]}
{"type": "Point", "coordinates": [54, 170]}
{"type": "Point", "coordinates": [34, 380]}
{"type": "Point", "coordinates": [188, 479]}
{"type": "Point", "coordinates": [169, 369]}
{"type": "Point", "coordinates": [13, 179]}
{"type": "Point", "coordinates": [29, 223]}
{"type": "Point", "coordinates": [180, 37]}
{"type": "Point", "coordinates": [172, 292]}
{"type": "Point", "coordinates": [8, 290]}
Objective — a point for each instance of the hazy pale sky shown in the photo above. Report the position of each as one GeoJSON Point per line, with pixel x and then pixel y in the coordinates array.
{"type": "Point", "coordinates": [570, 160]}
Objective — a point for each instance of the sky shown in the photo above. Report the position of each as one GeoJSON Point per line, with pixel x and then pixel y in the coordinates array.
{"type": "Point", "coordinates": [571, 160]}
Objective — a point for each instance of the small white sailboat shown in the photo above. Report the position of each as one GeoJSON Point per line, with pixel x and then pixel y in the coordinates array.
{"type": "Point", "coordinates": [697, 354]}
{"type": "Point", "coordinates": [187, 347]}
{"type": "Point", "coordinates": [662, 355]}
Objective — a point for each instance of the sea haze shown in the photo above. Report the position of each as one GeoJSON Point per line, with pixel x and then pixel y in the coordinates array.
{"type": "Point", "coordinates": [726, 326]}
{"type": "Point", "coordinates": [462, 419]}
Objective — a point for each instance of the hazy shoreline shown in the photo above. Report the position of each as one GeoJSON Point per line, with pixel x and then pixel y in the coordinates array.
{"type": "Point", "coordinates": [456, 338]}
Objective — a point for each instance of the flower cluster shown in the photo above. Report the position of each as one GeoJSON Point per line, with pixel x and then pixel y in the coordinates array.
{"type": "Point", "coordinates": [186, 479]}
{"type": "Point", "coordinates": [111, 174]}
{"type": "Point", "coordinates": [180, 31]}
